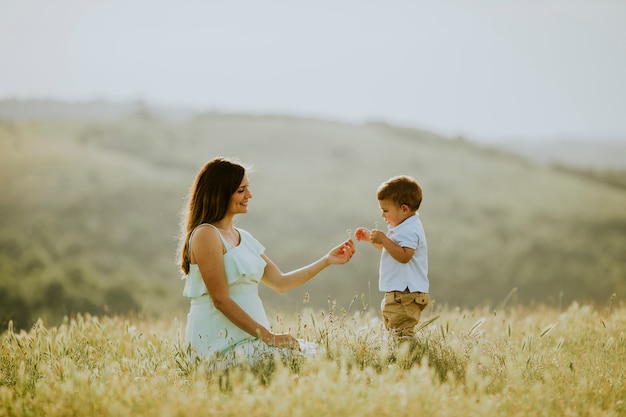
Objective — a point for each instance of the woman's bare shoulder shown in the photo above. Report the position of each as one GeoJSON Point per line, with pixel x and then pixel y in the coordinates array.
{"type": "Point", "coordinates": [205, 239]}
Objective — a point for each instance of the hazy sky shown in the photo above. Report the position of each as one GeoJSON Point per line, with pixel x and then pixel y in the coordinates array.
{"type": "Point", "coordinates": [489, 70]}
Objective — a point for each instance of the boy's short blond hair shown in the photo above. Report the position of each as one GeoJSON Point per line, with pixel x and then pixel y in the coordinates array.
{"type": "Point", "coordinates": [401, 190]}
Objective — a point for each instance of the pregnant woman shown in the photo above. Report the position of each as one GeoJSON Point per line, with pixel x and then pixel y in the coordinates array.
{"type": "Point", "coordinates": [223, 265]}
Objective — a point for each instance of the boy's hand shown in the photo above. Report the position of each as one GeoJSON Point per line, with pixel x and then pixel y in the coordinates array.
{"type": "Point", "coordinates": [361, 233]}
{"type": "Point", "coordinates": [377, 237]}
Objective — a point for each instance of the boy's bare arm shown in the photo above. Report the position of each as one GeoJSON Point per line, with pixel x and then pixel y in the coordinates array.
{"type": "Point", "coordinates": [397, 252]}
{"type": "Point", "coordinates": [377, 246]}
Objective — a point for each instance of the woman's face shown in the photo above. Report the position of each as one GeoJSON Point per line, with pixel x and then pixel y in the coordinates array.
{"type": "Point", "coordinates": [239, 200]}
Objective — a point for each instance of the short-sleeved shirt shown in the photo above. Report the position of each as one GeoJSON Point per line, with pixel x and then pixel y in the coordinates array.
{"type": "Point", "coordinates": [398, 276]}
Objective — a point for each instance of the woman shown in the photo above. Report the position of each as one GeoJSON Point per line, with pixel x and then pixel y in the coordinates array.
{"type": "Point", "coordinates": [223, 266]}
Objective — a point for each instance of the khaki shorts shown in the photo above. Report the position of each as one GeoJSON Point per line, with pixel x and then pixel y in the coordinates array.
{"type": "Point", "coordinates": [402, 311]}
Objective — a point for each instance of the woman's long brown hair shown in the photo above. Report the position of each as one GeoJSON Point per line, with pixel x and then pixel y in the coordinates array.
{"type": "Point", "coordinates": [208, 200]}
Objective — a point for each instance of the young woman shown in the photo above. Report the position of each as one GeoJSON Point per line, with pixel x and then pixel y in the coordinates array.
{"type": "Point", "coordinates": [223, 265]}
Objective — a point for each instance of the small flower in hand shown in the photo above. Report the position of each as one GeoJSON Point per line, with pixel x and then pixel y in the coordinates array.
{"type": "Point", "coordinates": [361, 233]}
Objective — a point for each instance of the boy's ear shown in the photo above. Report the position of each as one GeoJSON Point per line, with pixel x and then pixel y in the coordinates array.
{"type": "Point", "coordinates": [405, 208]}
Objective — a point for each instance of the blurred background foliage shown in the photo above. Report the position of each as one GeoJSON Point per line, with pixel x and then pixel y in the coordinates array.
{"type": "Point", "coordinates": [90, 210]}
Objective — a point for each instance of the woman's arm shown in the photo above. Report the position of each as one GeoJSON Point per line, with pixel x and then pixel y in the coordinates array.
{"type": "Point", "coordinates": [207, 251]}
{"type": "Point", "coordinates": [280, 282]}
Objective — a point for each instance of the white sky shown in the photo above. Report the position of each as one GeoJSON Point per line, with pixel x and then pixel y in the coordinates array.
{"type": "Point", "coordinates": [487, 69]}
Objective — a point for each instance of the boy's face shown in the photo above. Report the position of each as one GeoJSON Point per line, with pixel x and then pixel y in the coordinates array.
{"type": "Point", "coordinates": [392, 213]}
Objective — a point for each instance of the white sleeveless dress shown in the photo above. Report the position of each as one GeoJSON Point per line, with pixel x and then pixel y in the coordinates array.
{"type": "Point", "coordinates": [208, 331]}
{"type": "Point", "coordinates": [210, 334]}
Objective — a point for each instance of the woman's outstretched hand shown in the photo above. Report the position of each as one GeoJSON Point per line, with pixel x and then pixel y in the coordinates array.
{"type": "Point", "coordinates": [342, 253]}
{"type": "Point", "coordinates": [362, 233]}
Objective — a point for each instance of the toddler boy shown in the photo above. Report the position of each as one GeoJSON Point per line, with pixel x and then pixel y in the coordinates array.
{"type": "Point", "coordinates": [404, 255]}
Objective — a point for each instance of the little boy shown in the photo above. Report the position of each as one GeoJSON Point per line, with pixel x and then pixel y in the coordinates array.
{"type": "Point", "coordinates": [404, 258]}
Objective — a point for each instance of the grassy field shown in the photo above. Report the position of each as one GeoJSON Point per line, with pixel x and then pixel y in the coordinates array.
{"type": "Point", "coordinates": [90, 211]}
{"type": "Point", "coordinates": [512, 361]}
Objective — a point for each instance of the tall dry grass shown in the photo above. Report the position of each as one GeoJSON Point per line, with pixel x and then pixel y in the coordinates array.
{"type": "Point", "coordinates": [513, 361]}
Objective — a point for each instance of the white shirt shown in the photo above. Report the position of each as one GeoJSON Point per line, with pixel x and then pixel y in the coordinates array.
{"type": "Point", "coordinates": [397, 276]}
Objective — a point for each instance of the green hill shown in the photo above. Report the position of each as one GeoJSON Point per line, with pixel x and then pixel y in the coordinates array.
{"type": "Point", "coordinates": [90, 211]}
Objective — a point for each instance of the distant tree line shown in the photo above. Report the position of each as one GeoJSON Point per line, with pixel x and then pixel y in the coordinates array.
{"type": "Point", "coordinates": [55, 303]}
